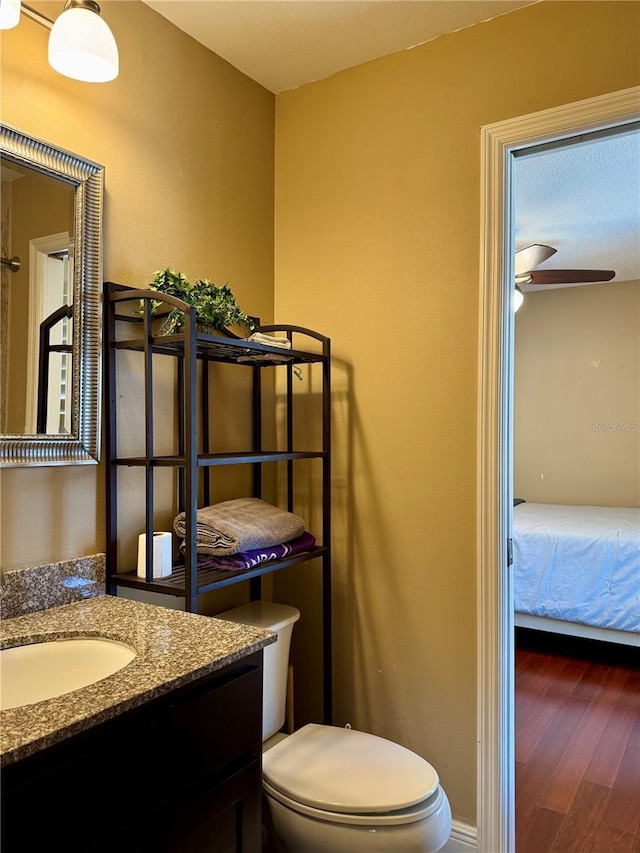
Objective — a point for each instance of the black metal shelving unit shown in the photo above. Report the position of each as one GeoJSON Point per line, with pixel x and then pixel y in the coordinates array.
{"type": "Point", "coordinates": [194, 460]}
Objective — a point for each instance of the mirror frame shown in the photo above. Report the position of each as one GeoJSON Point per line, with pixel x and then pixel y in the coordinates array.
{"type": "Point", "coordinates": [82, 445]}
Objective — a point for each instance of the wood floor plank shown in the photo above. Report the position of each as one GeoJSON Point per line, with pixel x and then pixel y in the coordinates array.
{"type": "Point", "coordinates": [583, 743]}
{"type": "Point", "coordinates": [547, 823]}
{"type": "Point", "coordinates": [527, 662]}
{"type": "Point", "coordinates": [545, 709]}
{"type": "Point", "coordinates": [591, 684]}
{"type": "Point", "coordinates": [538, 771]}
{"type": "Point", "coordinates": [582, 822]}
{"type": "Point", "coordinates": [623, 809]}
{"type": "Point", "coordinates": [534, 685]}
{"type": "Point", "coordinates": [605, 762]}
{"type": "Point", "coordinates": [609, 840]}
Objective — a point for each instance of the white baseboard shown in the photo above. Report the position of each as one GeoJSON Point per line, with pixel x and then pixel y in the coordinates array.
{"type": "Point", "coordinates": [463, 838]}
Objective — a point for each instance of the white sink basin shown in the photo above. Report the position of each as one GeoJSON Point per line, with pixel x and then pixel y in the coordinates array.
{"type": "Point", "coordinates": [38, 671]}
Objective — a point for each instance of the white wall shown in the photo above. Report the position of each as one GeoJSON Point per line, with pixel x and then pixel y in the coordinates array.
{"type": "Point", "coordinates": [577, 390]}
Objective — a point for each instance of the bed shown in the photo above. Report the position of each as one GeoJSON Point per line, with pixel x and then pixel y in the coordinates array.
{"type": "Point", "coordinates": [577, 570]}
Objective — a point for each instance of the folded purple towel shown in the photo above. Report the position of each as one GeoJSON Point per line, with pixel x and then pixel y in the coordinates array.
{"type": "Point", "coordinates": [249, 559]}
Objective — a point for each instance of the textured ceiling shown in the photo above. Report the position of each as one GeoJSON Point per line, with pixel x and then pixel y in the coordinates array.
{"type": "Point", "coordinates": [283, 44]}
{"type": "Point", "coordinates": [584, 200]}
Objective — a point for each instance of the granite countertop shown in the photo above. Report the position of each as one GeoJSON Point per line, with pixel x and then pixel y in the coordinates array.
{"type": "Point", "coordinates": [172, 649]}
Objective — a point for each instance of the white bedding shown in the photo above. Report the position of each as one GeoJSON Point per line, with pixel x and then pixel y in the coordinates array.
{"type": "Point", "coordinates": [578, 564]}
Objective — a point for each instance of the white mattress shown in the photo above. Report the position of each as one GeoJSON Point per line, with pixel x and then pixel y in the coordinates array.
{"type": "Point", "coordinates": [578, 564]}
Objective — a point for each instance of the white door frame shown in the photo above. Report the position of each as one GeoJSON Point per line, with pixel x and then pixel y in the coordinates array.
{"type": "Point", "coordinates": [495, 779]}
{"type": "Point", "coordinates": [39, 250]}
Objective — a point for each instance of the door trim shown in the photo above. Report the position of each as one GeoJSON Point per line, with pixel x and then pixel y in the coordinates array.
{"type": "Point", "coordinates": [495, 777]}
{"type": "Point", "coordinates": [39, 249]}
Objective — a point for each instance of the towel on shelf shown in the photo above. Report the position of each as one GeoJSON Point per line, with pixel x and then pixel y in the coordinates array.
{"type": "Point", "coordinates": [270, 340]}
{"type": "Point", "coordinates": [250, 559]}
{"type": "Point", "coordinates": [271, 359]}
{"type": "Point", "coordinates": [243, 524]}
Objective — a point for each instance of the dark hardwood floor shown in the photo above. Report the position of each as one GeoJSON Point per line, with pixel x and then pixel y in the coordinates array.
{"type": "Point", "coordinates": [577, 746]}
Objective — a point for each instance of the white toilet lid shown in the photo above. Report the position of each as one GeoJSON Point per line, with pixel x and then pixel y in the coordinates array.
{"type": "Point", "coordinates": [347, 771]}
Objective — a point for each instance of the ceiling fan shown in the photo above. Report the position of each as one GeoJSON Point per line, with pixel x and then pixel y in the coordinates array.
{"type": "Point", "coordinates": [528, 258]}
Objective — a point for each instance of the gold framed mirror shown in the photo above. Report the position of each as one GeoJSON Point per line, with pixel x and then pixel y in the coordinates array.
{"type": "Point", "coordinates": [50, 303]}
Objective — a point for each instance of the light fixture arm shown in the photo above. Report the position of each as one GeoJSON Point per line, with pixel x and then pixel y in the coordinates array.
{"type": "Point", "coordinates": [36, 16]}
{"type": "Point", "coordinates": [41, 19]}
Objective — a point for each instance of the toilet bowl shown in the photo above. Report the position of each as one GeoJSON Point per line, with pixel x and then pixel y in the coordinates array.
{"type": "Point", "coordinates": [338, 790]}
{"type": "Point", "coordinates": [342, 790]}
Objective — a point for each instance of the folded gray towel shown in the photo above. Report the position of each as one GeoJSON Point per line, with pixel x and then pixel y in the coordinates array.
{"type": "Point", "coordinates": [270, 340]}
{"type": "Point", "coordinates": [241, 525]}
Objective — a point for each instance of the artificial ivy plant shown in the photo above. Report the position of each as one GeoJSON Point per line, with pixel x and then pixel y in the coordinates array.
{"type": "Point", "coordinates": [215, 306]}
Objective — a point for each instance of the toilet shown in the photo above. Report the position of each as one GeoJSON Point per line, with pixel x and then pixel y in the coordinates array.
{"type": "Point", "coordinates": [337, 790]}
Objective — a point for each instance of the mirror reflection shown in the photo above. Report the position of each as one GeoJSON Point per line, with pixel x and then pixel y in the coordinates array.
{"type": "Point", "coordinates": [50, 303]}
{"type": "Point", "coordinates": [36, 298]}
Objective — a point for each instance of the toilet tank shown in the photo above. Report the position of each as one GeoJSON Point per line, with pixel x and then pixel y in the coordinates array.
{"type": "Point", "coordinates": [279, 618]}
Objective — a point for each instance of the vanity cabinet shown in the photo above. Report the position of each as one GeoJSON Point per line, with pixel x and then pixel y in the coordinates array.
{"type": "Point", "coordinates": [180, 774]}
{"type": "Point", "coordinates": [132, 327]}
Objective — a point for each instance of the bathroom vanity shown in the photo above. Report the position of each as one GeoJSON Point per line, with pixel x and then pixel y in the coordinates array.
{"type": "Point", "coordinates": [163, 755]}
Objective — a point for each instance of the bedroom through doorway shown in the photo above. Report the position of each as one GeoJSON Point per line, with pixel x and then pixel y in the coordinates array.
{"type": "Point", "coordinates": [576, 489]}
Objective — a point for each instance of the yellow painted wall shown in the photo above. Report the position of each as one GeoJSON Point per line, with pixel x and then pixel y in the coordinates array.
{"type": "Point", "coordinates": [577, 360]}
{"type": "Point", "coordinates": [377, 237]}
{"type": "Point", "coordinates": [377, 245]}
{"type": "Point", "coordinates": [187, 142]}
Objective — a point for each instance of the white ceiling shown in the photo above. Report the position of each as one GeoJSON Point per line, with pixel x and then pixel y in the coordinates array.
{"type": "Point", "coordinates": [584, 200]}
{"type": "Point", "coordinates": [283, 44]}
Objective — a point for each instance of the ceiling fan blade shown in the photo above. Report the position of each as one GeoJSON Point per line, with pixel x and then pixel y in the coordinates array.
{"type": "Point", "coordinates": [568, 276]}
{"type": "Point", "coordinates": [529, 257]}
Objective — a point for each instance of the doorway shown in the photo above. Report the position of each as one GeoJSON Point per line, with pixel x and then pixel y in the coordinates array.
{"type": "Point", "coordinates": [499, 142]}
{"type": "Point", "coordinates": [49, 357]}
{"type": "Point", "coordinates": [575, 367]}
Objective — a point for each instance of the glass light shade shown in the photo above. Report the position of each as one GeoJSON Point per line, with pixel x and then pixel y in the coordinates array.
{"type": "Point", "coordinates": [518, 298]}
{"type": "Point", "coordinates": [9, 14]}
{"type": "Point", "coordinates": [82, 46]}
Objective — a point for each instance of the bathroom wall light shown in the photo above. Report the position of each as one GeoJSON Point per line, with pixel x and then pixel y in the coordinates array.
{"type": "Point", "coordinates": [9, 14]}
{"type": "Point", "coordinates": [81, 45]}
